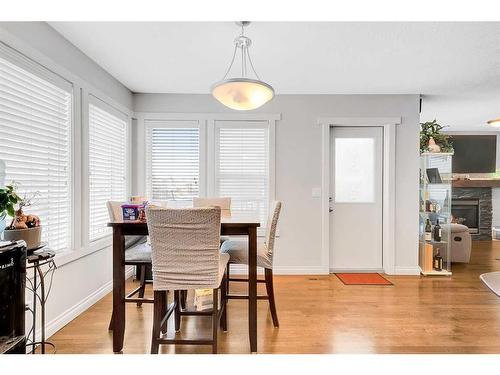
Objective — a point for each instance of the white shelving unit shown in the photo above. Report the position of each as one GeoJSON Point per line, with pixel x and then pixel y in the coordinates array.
{"type": "Point", "coordinates": [435, 204]}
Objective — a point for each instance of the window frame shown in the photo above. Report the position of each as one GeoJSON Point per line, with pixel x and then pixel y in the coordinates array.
{"type": "Point", "coordinates": [21, 54]}
{"type": "Point", "coordinates": [215, 155]}
{"type": "Point", "coordinates": [176, 124]}
{"type": "Point", "coordinates": [21, 61]}
{"type": "Point", "coordinates": [92, 99]}
{"type": "Point", "coordinates": [207, 123]}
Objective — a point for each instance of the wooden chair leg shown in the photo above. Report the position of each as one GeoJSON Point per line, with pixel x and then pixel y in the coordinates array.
{"type": "Point", "coordinates": [215, 322]}
{"type": "Point", "coordinates": [177, 310]}
{"type": "Point", "coordinates": [110, 327]}
{"type": "Point", "coordinates": [223, 304]}
{"type": "Point", "coordinates": [142, 280]}
{"type": "Point", "coordinates": [184, 294]}
{"type": "Point", "coordinates": [270, 293]}
{"type": "Point", "coordinates": [159, 303]}
{"type": "Point", "coordinates": [164, 327]}
{"type": "Point", "coordinates": [227, 277]}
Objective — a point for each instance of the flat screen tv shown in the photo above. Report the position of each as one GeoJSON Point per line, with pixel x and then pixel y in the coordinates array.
{"type": "Point", "coordinates": [474, 153]}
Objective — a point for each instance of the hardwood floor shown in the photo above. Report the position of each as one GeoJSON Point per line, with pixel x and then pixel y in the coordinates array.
{"type": "Point", "coordinates": [318, 314]}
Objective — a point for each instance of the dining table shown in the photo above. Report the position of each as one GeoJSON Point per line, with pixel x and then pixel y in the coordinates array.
{"type": "Point", "coordinates": [230, 226]}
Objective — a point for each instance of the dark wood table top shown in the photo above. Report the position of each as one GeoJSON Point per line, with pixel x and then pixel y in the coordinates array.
{"type": "Point", "coordinates": [232, 221]}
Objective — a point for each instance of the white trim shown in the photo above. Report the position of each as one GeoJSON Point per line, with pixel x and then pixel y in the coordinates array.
{"type": "Point", "coordinates": [415, 270]}
{"type": "Point", "coordinates": [357, 270]}
{"type": "Point", "coordinates": [74, 311]}
{"type": "Point", "coordinates": [359, 121]}
{"type": "Point", "coordinates": [388, 181]}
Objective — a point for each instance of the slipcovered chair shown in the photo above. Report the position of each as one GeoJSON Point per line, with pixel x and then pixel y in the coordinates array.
{"type": "Point", "coordinates": [225, 208]}
{"type": "Point", "coordinates": [238, 252]}
{"type": "Point", "coordinates": [223, 203]}
{"type": "Point", "coordinates": [137, 253]}
{"type": "Point", "coordinates": [185, 256]}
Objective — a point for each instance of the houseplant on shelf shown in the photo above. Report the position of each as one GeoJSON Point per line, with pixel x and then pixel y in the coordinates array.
{"type": "Point", "coordinates": [23, 227]}
{"type": "Point", "coordinates": [8, 200]}
{"type": "Point", "coordinates": [431, 138]}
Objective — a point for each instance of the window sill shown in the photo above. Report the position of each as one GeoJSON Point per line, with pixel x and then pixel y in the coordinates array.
{"type": "Point", "coordinates": [70, 256]}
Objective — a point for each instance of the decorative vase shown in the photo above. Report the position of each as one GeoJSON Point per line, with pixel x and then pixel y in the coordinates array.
{"type": "Point", "coordinates": [32, 236]}
{"type": "Point", "coordinates": [432, 146]}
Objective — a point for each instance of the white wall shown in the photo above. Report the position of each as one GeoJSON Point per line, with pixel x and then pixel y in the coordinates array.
{"type": "Point", "coordinates": [298, 166]}
{"type": "Point", "coordinates": [81, 282]}
{"type": "Point", "coordinates": [42, 43]}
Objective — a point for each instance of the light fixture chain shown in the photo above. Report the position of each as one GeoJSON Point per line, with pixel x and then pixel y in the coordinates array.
{"type": "Point", "coordinates": [231, 64]}
{"type": "Point", "coordinates": [251, 65]}
{"type": "Point", "coordinates": [244, 61]}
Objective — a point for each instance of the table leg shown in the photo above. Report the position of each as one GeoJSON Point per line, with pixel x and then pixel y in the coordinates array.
{"type": "Point", "coordinates": [118, 289]}
{"type": "Point", "coordinates": [252, 288]}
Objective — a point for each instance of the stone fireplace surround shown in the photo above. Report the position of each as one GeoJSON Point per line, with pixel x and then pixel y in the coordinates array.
{"type": "Point", "coordinates": [483, 194]}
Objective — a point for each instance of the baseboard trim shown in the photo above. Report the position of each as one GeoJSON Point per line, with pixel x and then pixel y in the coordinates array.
{"type": "Point", "coordinates": [412, 270]}
{"type": "Point", "coordinates": [240, 269]}
{"type": "Point", "coordinates": [74, 311]}
{"type": "Point", "coordinates": [357, 270]}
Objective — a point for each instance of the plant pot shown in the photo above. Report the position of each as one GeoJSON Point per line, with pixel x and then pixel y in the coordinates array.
{"type": "Point", "coordinates": [32, 236]}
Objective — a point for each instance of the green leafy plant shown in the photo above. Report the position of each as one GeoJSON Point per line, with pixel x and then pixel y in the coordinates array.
{"type": "Point", "coordinates": [433, 129]}
{"type": "Point", "coordinates": [8, 200]}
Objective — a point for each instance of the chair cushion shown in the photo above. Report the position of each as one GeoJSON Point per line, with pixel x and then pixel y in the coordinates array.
{"type": "Point", "coordinates": [140, 253]}
{"type": "Point", "coordinates": [238, 252]}
{"type": "Point", "coordinates": [134, 240]}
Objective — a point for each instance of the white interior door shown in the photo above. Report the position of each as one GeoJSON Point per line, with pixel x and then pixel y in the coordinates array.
{"type": "Point", "coordinates": [356, 198]}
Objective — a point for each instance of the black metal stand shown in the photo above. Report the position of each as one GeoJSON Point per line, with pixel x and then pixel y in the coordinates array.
{"type": "Point", "coordinates": [40, 294]}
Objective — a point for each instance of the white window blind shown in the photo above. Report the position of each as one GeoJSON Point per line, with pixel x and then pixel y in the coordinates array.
{"type": "Point", "coordinates": [35, 144]}
{"type": "Point", "coordinates": [173, 162]}
{"type": "Point", "coordinates": [107, 166]}
{"type": "Point", "coordinates": [242, 168]}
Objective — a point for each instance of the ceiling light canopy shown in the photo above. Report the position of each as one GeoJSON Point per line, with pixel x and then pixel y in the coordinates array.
{"type": "Point", "coordinates": [242, 93]}
{"type": "Point", "coordinates": [495, 122]}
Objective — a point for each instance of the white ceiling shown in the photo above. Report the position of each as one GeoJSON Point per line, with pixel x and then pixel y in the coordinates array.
{"type": "Point", "coordinates": [456, 66]}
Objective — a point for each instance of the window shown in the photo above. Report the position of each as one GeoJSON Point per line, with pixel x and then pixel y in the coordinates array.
{"type": "Point", "coordinates": [107, 164]}
{"type": "Point", "coordinates": [35, 144]}
{"type": "Point", "coordinates": [173, 161]}
{"type": "Point", "coordinates": [214, 158]}
{"type": "Point", "coordinates": [242, 167]}
{"type": "Point", "coordinates": [354, 170]}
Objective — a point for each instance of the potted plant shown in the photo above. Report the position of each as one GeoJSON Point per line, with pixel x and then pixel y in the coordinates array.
{"type": "Point", "coordinates": [24, 227]}
{"type": "Point", "coordinates": [8, 200]}
{"type": "Point", "coordinates": [431, 138]}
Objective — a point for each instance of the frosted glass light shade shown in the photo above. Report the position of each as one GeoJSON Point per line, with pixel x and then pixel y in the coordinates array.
{"type": "Point", "coordinates": [242, 94]}
{"type": "Point", "coordinates": [495, 123]}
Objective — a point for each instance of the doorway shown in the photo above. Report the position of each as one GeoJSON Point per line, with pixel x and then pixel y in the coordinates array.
{"type": "Point", "coordinates": [356, 199]}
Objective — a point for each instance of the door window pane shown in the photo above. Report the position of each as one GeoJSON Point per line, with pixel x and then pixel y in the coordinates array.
{"type": "Point", "coordinates": [354, 170]}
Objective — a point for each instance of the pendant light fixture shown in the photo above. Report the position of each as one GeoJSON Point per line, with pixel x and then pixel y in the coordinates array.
{"type": "Point", "coordinates": [242, 93]}
{"type": "Point", "coordinates": [495, 122]}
